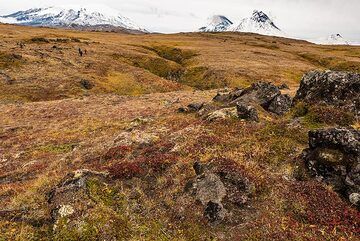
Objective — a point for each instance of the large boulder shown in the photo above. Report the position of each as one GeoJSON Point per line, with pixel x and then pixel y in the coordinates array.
{"type": "Point", "coordinates": [261, 93]}
{"type": "Point", "coordinates": [341, 89]}
{"type": "Point", "coordinates": [333, 156]}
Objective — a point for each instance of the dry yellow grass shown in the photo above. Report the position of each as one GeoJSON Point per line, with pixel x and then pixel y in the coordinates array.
{"type": "Point", "coordinates": [51, 125]}
{"type": "Point", "coordinates": [51, 68]}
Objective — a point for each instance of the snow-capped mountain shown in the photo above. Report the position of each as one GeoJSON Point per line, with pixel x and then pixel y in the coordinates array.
{"type": "Point", "coordinates": [70, 16]}
{"type": "Point", "coordinates": [336, 39]}
{"type": "Point", "coordinates": [217, 23]}
{"type": "Point", "coordinates": [259, 23]}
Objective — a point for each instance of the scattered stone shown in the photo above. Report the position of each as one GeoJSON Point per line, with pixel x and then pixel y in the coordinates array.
{"type": "Point", "coordinates": [65, 210]}
{"type": "Point", "coordinates": [71, 196]}
{"type": "Point", "coordinates": [340, 89]}
{"type": "Point", "coordinates": [247, 112]}
{"type": "Point", "coordinates": [355, 198]}
{"type": "Point", "coordinates": [281, 104]}
{"type": "Point", "coordinates": [86, 84]}
{"type": "Point", "coordinates": [228, 96]}
{"type": "Point", "coordinates": [334, 157]}
{"type": "Point", "coordinates": [193, 107]}
{"type": "Point", "coordinates": [7, 79]}
{"type": "Point", "coordinates": [214, 212]}
{"type": "Point", "coordinates": [283, 86]}
{"type": "Point", "coordinates": [137, 137]}
{"type": "Point", "coordinates": [222, 114]}
{"type": "Point", "coordinates": [208, 188]}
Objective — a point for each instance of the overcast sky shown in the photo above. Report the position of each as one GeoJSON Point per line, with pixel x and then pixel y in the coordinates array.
{"type": "Point", "coordinates": [308, 19]}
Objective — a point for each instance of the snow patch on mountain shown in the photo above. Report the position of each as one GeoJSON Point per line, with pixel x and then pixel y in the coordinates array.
{"type": "Point", "coordinates": [217, 23]}
{"type": "Point", "coordinates": [70, 15]}
{"type": "Point", "coordinates": [259, 23]}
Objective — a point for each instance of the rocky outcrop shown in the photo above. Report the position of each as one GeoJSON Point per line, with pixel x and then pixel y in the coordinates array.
{"type": "Point", "coordinates": [333, 156]}
{"type": "Point", "coordinates": [247, 102]}
{"type": "Point", "coordinates": [340, 89]}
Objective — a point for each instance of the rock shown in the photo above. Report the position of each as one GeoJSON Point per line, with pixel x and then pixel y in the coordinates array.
{"type": "Point", "coordinates": [228, 96]}
{"type": "Point", "coordinates": [280, 105]}
{"type": "Point", "coordinates": [218, 185]}
{"type": "Point", "coordinates": [207, 109]}
{"type": "Point", "coordinates": [7, 79]}
{"type": "Point", "coordinates": [261, 93]}
{"type": "Point", "coordinates": [345, 139]}
{"type": "Point", "coordinates": [136, 137]}
{"type": "Point", "coordinates": [222, 114]}
{"type": "Point", "coordinates": [214, 212]}
{"type": "Point", "coordinates": [283, 86]}
{"type": "Point", "coordinates": [86, 84]}
{"type": "Point", "coordinates": [247, 112]}
{"type": "Point", "coordinates": [70, 197]}
{"type": "Point", "coordinates": [209, 188]}
{"type": "Point", "coordinates": [355, 198]}
{"type": "Point", "coordinates": [222, 96]}
{"type": "Point", "coordinates": [340, 89]}
{"type": "Point", "coordinates": [334, 157]}
{"type": "Point", "coordinates": [193, 107]}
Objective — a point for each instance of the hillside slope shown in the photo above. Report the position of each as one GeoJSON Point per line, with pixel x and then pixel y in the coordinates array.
{"type": "Point", "coordinates": [107, 145]}
{"type": "Point", "coordinates": [44, 64]}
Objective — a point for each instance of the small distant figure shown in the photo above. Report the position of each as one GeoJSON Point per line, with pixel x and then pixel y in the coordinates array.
{"type": "Point", "coordinates": [81, 52]}
{"type": "Point", "coordinates": [85, 52]}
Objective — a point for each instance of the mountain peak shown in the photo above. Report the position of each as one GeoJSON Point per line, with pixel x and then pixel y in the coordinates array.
{"type": "Point", "coordinates": [260, 23]}
{"type": "Point", "coordinates": [216, 23]}
{"type": "Point", "coordinates": [337, 39]}
{"type": "Point", "coordinates": [71, 15]}
{"type": "Point", "coordinates": [259, 16]}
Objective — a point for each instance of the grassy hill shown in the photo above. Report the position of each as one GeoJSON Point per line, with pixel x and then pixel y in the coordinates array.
{"type": "Point", "coordinates": [112, 113]}
{"type": "Point", "coordinates": [44, 64]}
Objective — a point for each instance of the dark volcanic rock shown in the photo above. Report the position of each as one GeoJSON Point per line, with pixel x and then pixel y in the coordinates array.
{"type": "Point", "coordinates": [219, 188]}
{"type": "Point", "coordinates": [86, 84]}
{"type": "Point", "coordinates": [280, 105]}
{"type": "Point", "coordinates": [247, 112]}
{"type": "Point", "coordinates": [340, 89]}
{"type": "Point", "coordinates": [193, 107]}
{"type": "Point", "coordinates": [346, 140]}
{"type": "Point", "coordinates": [214, 212]}
{"type": "Point", "coordinates": [283, 87]}
{"type": "Point", "coordinates": [334, 157]}
{"type": "Point", "coordinates": [261, 93]}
